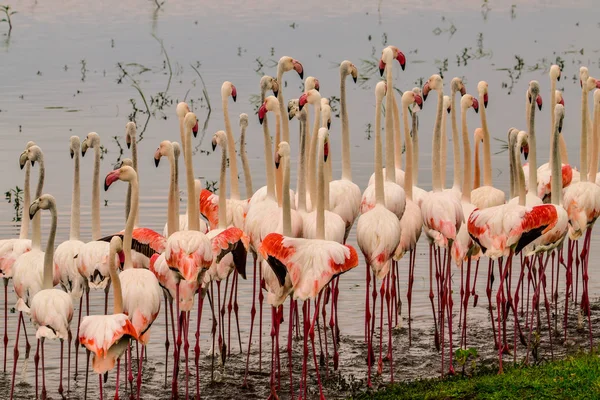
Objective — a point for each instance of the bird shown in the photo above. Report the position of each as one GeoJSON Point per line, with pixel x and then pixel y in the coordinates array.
{"type": "Point", "coordinates": [108, 336]}
{"type": "Point", "coordinates": [51, 309]}
{"type": "Point", "coordinates": [377, 234]}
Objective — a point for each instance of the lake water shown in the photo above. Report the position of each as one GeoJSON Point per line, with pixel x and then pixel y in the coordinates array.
{"type": "Point", "coordinates": [68, 68]}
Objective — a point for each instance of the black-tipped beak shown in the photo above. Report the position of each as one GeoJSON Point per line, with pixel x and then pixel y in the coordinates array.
{"type": "Point", "coordinates": [485, 103]}
{"type": "Point", "coordinates": [105, 186]}
{"type": "Point", "coordinates": [214, 146]}
{"type": "Point", "coordinates": [558, 79]}
{"type": "Point", "coordinates": [234, 97]}
{"type": "Point", "coordinates": [128, 145]}
{"type": "Point", "coordinates": [32, 164]}
{"type": "Point", "coordinates": [290, 116]}
{"type": "Point", "coordinates": [72, 154]}
{"type": "Point", "coordinates": [260, 119]}
{"type": "Point", "coordinates": [275, 93]}
{"type": "Point", "coordinates": [328, 124]}
{"type": "Point", "coordinates": [325, 158]}
{"type": "Point", "coordinates": [83, 152]}
{"type": "Point", "coordinates": [301, 74]}
{"type": "Point", "coordinates": [381, 70]}
{"type": "Point", "coordinates": [277, 164]}
{"type": "Point", "coordinates": [156, 162]}
{"type": "Point", "coordinates": [354, 79]}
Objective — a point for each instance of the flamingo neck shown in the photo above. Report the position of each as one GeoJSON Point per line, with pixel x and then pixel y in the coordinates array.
{"type": "Point", "coordinates": [235, 189]}
{"type": "Point", "coordinates": [583, 167]}
{"type": "Point", "coordinates": [223, 189]}
{"type": "Point", "coordinates": [519, 178]}
{"type": "Point", "coordinates": [408, 172]}
{"type": "Point", "coordinates": [75, 200]}
{"type": "Point", "coordinates": [182, 134]}
{"type": "Point", "coordinates": [128, 234]}
{"type": "Point", "coordinates": [437, 136]}
{"type": "Point", "coordinates": [458, 180]}
{"type": "Point", "coordinates": [466, 183]}
{"type": "Point", "coordinates": [556, 186]}
{"type": "Point", "coordinates": [397, 136]}
{"type": "Point", "coordinates": [487, 154]}
{"type": "Point", "coordinates": [286, 201]}
{"type": "Point", "coordinates": [321, 190]}
{"type": "Point", "coordinates": [172, 212]}
{"type": "Point", "coordinates": [513, 163]}
{"type": "Point", "coordinates": [328, 175]}
{"type": "Point", "coordinates": [595, 142]}
{"type": "Point", "coordinates": [192, 205]}
{"type": "Point", "coordinates": [346, 163]}
{"type": "Point", "coordinates": [312, 155]}
{"type": "Point", "coordinates": [282, 110]}
{"type": "Point", "coordinates": [26, 200]}
{"type": "Point", "coordinates": [552, 105]}
{"type": "Point", "coordinates": [49, 254]}
{"type": "Point", "coordinates": [245, 164]}
{"type": "Point", "coordinates": [114, 279]}
{"type": "Point", "coordinates": [443, 150]}
{"type": "Point", "coordinates": [532, 151]}
{"type": "Point", "coordinates": [390, 167]}
{"type": "Point", "coordinates": [301, 185]}
{"type": "Point", "coordinates": [96, 194]}
{"type": "Point", "coordinates": [278, 173]}
{"type": "Point", "coordinates": [36, 238]}
{"type": "Point", "coordinates": [379, 190]}
{"type": "Point", "coordinates": [476, 172]}
{"type": "Point", "coordinates": [268, 149]}
{"type": "Point", "coordinates": [415, 142]}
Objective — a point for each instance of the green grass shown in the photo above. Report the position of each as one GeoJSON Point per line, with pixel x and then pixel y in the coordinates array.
{"type": "Point", "coordinates": [576, 377]}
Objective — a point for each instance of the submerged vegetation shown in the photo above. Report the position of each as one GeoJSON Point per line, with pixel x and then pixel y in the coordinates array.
{"type": "Point", "coordinates": [8, 12]}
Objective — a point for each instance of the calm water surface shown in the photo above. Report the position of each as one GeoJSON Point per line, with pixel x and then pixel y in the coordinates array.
{"type": "Point", "coordinates": [61, 77]}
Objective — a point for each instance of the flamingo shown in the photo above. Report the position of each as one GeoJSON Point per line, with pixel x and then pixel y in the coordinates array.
{"type": "Point", "coordinates": [309, 264]}
{"type": "Point", "coordinates": [456, 85]}
{"type": "Point", "coordinates": [478, 138]}
{"type": "Point", "coordinates": [51, 309]}
{"type": "Point", "coordinates": [444, 141]}
{"type": "Point", "coordinates": [244, 155]}
{"type": "Point", "coordinates": [442, 217]}
{"type": "Point", "coordinates": [107, 336]}
{"type": "Point", "coordinates": [312, 97]}
{"type": "Point", "coordinates": [28, 268]}
{"type": "Point", "coordinates": [310, 83]}
{"type": "Point", "coordinates": [582, 199]}
{"type": "Point", "coordinates": [141, 291]}
{"type": "Point", "coordinates": [411, 221]}
{"type": "Point", "coordinates": [10, 250]}
{"type": "Point", "coordinates": [378, 236]}
{"type": "Point", "coordinates": [486, 195]}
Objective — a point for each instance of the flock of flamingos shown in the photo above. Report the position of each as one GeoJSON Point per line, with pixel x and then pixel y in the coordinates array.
{"type": "Point", "coordinates": [297, 240]}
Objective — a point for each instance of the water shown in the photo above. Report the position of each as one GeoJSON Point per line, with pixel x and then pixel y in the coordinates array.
{"type": "Point", "coordinates": [61, 78]}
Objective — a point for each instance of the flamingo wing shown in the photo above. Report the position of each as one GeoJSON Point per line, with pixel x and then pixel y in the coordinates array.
{"type": "Point", "coordinates": [189, 253]}
{"type": "Point", "coordinates": [144, 241]}
{"type": "Point", "coordinates": [209, 207]}
{"type": "Point", "coordinates": [232, 240]}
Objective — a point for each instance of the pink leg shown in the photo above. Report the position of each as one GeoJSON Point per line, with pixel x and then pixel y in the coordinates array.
{"type": "Point", "coordinates": [43, 372]}
{"type": "Point", "coordinates": [139, 374]}
{"type": "Point", "coordinates": [100, 386]}
{"type": "Point", "coordinates": [36, 361]}
{"type": "Point", "coordinates": [473, 293]}
{"type": "Point", "coordinates": [390, 355]}
{"type": "Point", "coordinates": [118, 378]}
{"type": "Point", "coordinates": [197, 347]}
{"type": "Point", "coordinates": [213, 332]}
{"type": "Point", "coordinates": [332, 328]}
{"type": "Point", "coordinates": [176, 347]}
{"type": "Point", "coordinates": [260, 306]}
{"type": "Point", "coordinates": [5, 281]}
{"type": "Point", "coordinates": [186, 347]}
{"type": "Point", "coordinates": [328, 293]}
{"type": "Point", "coordinates": [106, 290]}
{"type": "Point", "coordinates": [221, 312]}
{"type": "Point", "coordinates": [166, 338]}
{"type": "Point", "coordinates": [76, 343]}
{"type": "Point", "coordinates": [69, 338]}
{"type": "Point", "coordinates": [60, 385]}
{"type": "Point", "coordinates": [431, 295]}
{"type": "Point", "coordinates": [450, 304]}
{"type": "Point", "coordinates": [252, 315]}
{"type": "Point", "coordinates": [411, 279]}
{"type": "Point", "coordinates": [87, 371]}
{"type": "Point", "coordinates": [15, 355]}
{"type": "Point", "coordinates": [130, 371]}
{"type": "Point", "coordinates": [272, 375]}
{"type": "Point", "coordinates": [289, 346]}
{"type": "Point", "coordinates": [382, 295]}
{"type": "Point", "coordinates": [229, 309]}
{"type": "Point", "coordinates": [312, 339]}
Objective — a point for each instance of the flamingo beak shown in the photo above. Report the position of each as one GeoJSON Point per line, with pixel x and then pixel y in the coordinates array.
{"type": "Point", "coordinates": [419, 101]}
{"type": "Point", "coordinates": [23, 159]}
{"type": "Point", "coordinates": [538, 100]}
{"type": "Point", "coordinates": [463, 91]}
{"type": "Point", "coordinates": [562, 101]}
{"type": "Point", "coordinates": [449, 109]}
{"type": "Point", "coordinates": [560, 125]}
{"type": "Point", "coordinates": [402, 60]}
{"type": "Point", "coordinates": [302, 101]}
{"type": "Point", "coordinates": [214, 145]}
{"type": "Point", "coordinates": [325, 151]}
{"type": "Point", "coordinates": [328, 124]}
{"type": "Point", "coordinates": [84, 147]}
{"type": "Point", "coordinates": [597, 84]}
{"type": "Point", "coordinates": [128, 141]}
{"type": "Point", "coordinates": [34, 208]}
{"type": "Point", "coordinates": [157, 157]}
{"type": "Point", "coordinates": [275, 88]}
{"type": "Point", "coordinates": [111, 178]}
{"type": "Point", "coordinates": [580, 83]}
{"type": "Point", "coordinates": [558, 78]}
{"type": "Point", "coordinates": [72, 154]}
{"type": "Point", "coordinates": [195, 129]}
{"type": "Point", "coordinates": [381, 67]}
{"type": "Point", "coordinates": [476, 105]}
{"type": "Point", "coordinates": [354, 75]}
{"type": "Point", "coordinates": [233, 93]}
{"type": "Point", "coordinates": [317, 85]}
{"type": "Point", "coordinates": [425, 91]}
{"type": "Point", "coordinates": [261, 112]}
{"type": "Point", "coordinates": [525, 151]}
{"type": "Point", "coordinates": [298, 68]}
{"type": "Point", "coordinates": [277, 160]}
{"type": "Point", "coordinates": [485, 100]}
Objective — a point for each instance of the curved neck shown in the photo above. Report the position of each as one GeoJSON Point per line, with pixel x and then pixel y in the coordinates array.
{"type": "Point", "coordinates": [36, 238]}
{"type": "Point", "coordinates": [282, 110]}
{"type": "Point", "coordinates": [346, 163]}
{"type": "Point", "coordinates": [128, 234]}
{"type": "Point", "coordinates": [301, 186]}
{"type": "Point", "coordinates": [595, 143]}
{"type": "Point", "coordinates": [312, 155]}
{"type": "Point", "coordinates": [193, 218]}
{"type": "Point", "coordinates": [321, 191]}
{"type": "Point", "coordinates": [397, 136]}
{"type": "Point", "coordinates": [584, 134]}
{"type": "Point", "coordinates": [443, 150]}
{"type": "Point", "coordinates": [532, 151]}
{"type": "Point", "coordinates": [556, 186]}
{"type": "Point", "coordinates": [182, 135]}
{"type": "Point", "coordinates": [415, 142]}
{"type": "Point", "coordinates": [487, 154]}
{"type": "Point", "coordinates": [286, 212]}
{"type": "Point", "coordinates": [134, 159]}
{"type": "Point", "coordinates": [327, 181]}
{"type": "Point", "coordinates": [519, 178]}
{"type": "Point", "coordinates": [49, 254]}
{"type": "Point", "coordinates": [235, 189]}
{"type": "Point", "coordinates": [513, 164]}
{"type": "Point", "coordinates": [466, 188]}
{"type": "Point", "coordinates": [115, 281]}
{"type": "Point", "coordinates": [75, 200]}
{"type": "Point", "coordinates": [437, 133]}
{"type": "Point", "coordinates": [268, 149]}
{"type": "Point", "coordinates": [223, 189]}
{"type": "Point", "coordinates": [172, 212]}
{"type": "Point", "coordinates": [379, 191]}
{"type": "Point", "coordinates": [390, 167]}
{"type": "Point", "coordinates": [552, 105]}
{"type": "Point", "coordinates": [458, 180]}
{"type": "Point", "coordinates": [96, 194]}
{"type": "Point", "coordinates": [408, 172]}
{"type": "Point", "coordinates": [245, 164]}
{"type": "Point", "coordinates": [26, 201]}
{"type": "Point", "coordinates": [476, 173]}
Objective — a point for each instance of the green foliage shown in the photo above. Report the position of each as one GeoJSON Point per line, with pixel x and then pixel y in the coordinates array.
{"type": "Point", "coordinates": [14, 196]}
{"type": "Point", "coordinates": [8, 13]}
{"type": "Point", "coordinates": [462, 356]}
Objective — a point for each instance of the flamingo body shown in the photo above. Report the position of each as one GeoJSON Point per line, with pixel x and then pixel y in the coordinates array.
{"type": "Point", "coordinates": [141, 299]}
{"type": "Point", "coordinates": [582, 202]}
{"type": "Point", "coordinates": [487, 196]}
{"type": "Point", "coordinates": [344, 200]}
{"type": "Point", "coordinates": [168, 279]}
{"type": "Point", "coordinates": [395, 198]}
{"type": "Point", "coordinates": [51, 313]}
{"type": "Point", "coordinates": [92, 263]}
{"type": "Point", "coordinates": [378, 236]}
{"type": "Point", "coordinates": [65, 262]}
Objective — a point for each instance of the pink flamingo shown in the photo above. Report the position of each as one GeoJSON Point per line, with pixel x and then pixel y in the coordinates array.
{"type": "Point", "coordinates": [378, 236]}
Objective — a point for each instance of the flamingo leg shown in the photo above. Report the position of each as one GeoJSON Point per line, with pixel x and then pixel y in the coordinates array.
{"type": "Point", "coordinates": [229, 309]}
{"type": "Point", "coordinates": [236, 309]}
{"type": "Point", "coordinates": [5, 281]}
{"type": "Point", "coordinates": [186, 346]}
{"type": "Point", "coordinates": [15, 356]}
{"type": "Point", "coordinates": [488, 290]}
{"type": "Point", "coordinates": [397, 298]}
{"type": "Point", "coordinates": [450, 304]}
{"type": "Point", "coordinates": [465, 304]}
{"type": "Point", "coordinates": [139, 374]}
{"type": "Point", "coordinates": [130, 370]}
{"type": "Point", "coordinates": [334, 341]}
{"type": "Point", "coordinates": [87, 372]}
{"type": "Point", "coordinates": [312, 339]}
{"type": "Point", "coordinates": [36, 361]}
{"type": "Point", "coordinates": [118, 378]}
{"type": "Point", "coordinates": [585, 276]}
{"type": "Point", "coordinates": [272, 375]}
{"type": "Point", "coordinates": [221, 312]}
{"type": "Point", "coordinates": [499, 307]}
{"type": "Point", "coordinates": [106, 290]}
{"type": "Point", "coordinates": [197, 347]}
{"type": "Point", "coordinates": [76, 343]}
{"type": "Point", "coordinates": [370, 346]}
{"type": "Point", "coordinates": [382, 295]}
{"type": "Point", "coordinates": [69, 338]}
{"type": "Point", "coordinates": [473, 293]}
{"type": "Point", "coordinates": [547, 306]}
{"type": "Point", "coordinates": [568, 284]}
{"type": "Point", "coordinates": [60, 385]}
{"type": "Point", "coordinates": [289, 347]}
{"type": "Point", "coordinates": [390, 356]}
{"type": "Point", "coordinates": [252, 315]}
{"type": "Point", "coordinates": [100, 386]}
{"type": "Point", "coordinates": [576, 271]}
{"type": "Point", "coordinates": [166, 338]}
{"type": "Point", "coordinates": [437, 338]}
{"type": "Point", "coordinates": [176, 347]}
{"type": "Point", "coordinates": [260, 306]}
{"type": "Point", "coordinates": [213, 331]}
{"type": "Point", "coordinates": [279, 318]}
{"type": "Point", "coordinates": [43, 372]}
{"type": "Point", "coordinates": [328, 294]}
{"type": "Point", "coordinates": [411, 280]}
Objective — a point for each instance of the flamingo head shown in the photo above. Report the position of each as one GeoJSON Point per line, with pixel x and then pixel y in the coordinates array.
{"type": "Point", "coordinates": [130, 133]}
{"type": "Point", "coordinates": [434, 82]}
{"type": "Point", "coordinates": [293, 108]}
{"type": "Point", "coordinates": [244, 120]}
{"type": "Point", "coordinates": [323, 136]}
{"type": "Point", "coordinates": [310, 96]}
{"type": "Point", "coordinates": [163, 150]}
{"type": "Point", "coordinates": [191, 121]}
{"type": "Point", "coordinates": [559, 97]}
{"type": "Point", "coordinates": [311, 83]}
{"type": "Point", "coordinates": [534, 93]}
{"type": "Point", "coordinates": [522, 141]}
{"type": "Point", "coordinates": [92, 140]}
{"type": "Point", "coordinates": [269, 83]}
{"type": "Point", "coordinates": [555, 72]}
{"type": "Point", "coordinates": [228, 89]}
{"type": "Point", "coordinates": [289, 63]}
{"type": "Point", "coordinates": [298, 68]}
{"type": "Point", "coordinates": [469, 101]}
{"type": "Point", "coordinates": [182, 109]}
{"type": "Point", "coordinates": [219, 138]}
{"type": "Point", "coordinates": [33, 154]}
{"type": "Point", "coordinates": [380, 89]}
{"type": "Point", "coordinates": [458, 85]}
{"type": "Point", "coordinates": [125, 173]}
{"type": "Point", "coordinates": [75, 145]}
{"type": "Point", "coordinates": [347, 68]}
{"type": "Point", "coordinates": [283, 150]}
{"type": "Point", "coordinates": [559, 112]}
{"type": "Point", "coordinates": [44, 202]}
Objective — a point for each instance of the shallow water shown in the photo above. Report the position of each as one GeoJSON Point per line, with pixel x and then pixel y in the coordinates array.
{"type": "Point", "coordinates": [61, 78]}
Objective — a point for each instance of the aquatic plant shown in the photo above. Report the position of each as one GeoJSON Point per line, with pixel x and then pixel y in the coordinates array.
{"type": "Point", "coordinates": [15, 196]}
{"type": "Point", "coordinates": [8, 13]}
